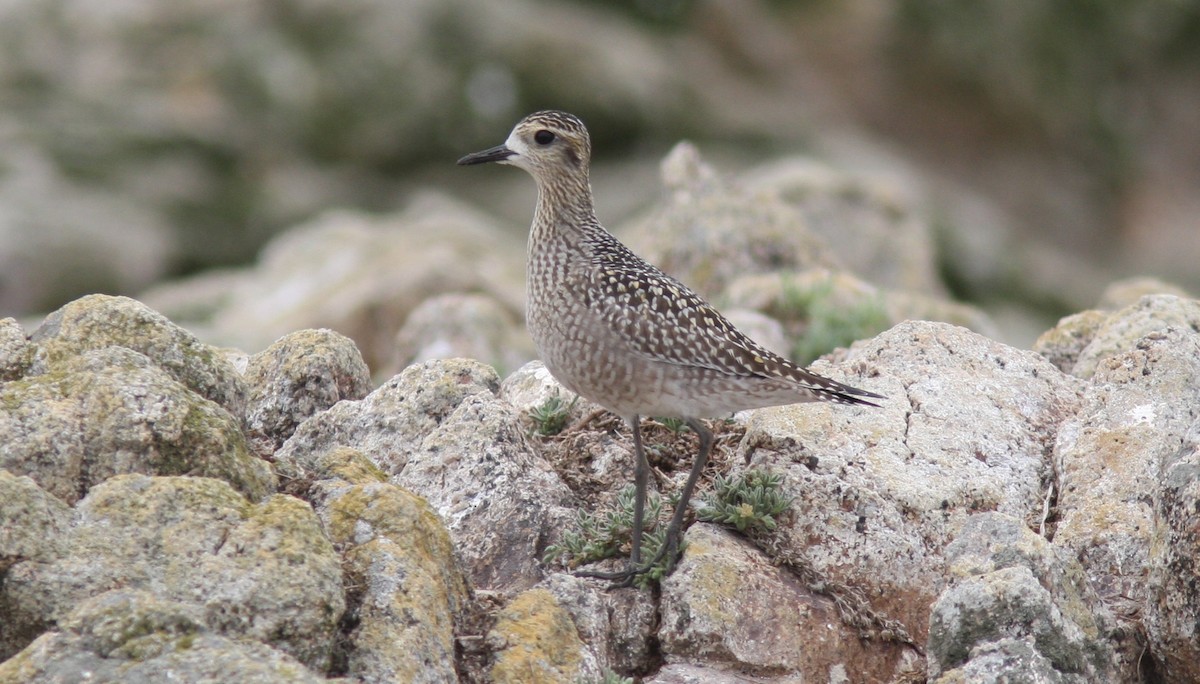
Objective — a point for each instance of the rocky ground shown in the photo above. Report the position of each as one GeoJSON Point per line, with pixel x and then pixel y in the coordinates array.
{"type": "Point", "coordinates": [173, 508]}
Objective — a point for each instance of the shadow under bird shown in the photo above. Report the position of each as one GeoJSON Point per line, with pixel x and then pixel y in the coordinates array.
{"type": "Point", "coordinates": [615, 329]}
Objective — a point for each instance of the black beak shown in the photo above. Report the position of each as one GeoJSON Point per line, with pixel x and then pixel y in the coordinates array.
{"type": "Point", "coordinates": [494, 154]}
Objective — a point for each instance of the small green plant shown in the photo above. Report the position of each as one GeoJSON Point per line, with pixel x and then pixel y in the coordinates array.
{"type": "Point", "coordinates": [748, 500]}
{"type": "Point", "coordinates": [832, 322]}
{"type": "Point", "coordinates": [550, 417]}
{"type": "Point", "coordinates": [675, 425]}
{"type": "Point", "coordinates": [609, 677]}
{"type": "Point", "coordinates": [606, 533]}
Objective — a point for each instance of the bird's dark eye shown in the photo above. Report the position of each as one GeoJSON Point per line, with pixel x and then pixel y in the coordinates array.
{"type": "Point", "coordinates": [543, 137]}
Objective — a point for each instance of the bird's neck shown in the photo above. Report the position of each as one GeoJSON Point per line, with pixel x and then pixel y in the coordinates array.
{"type": "Point", "coordinates": [564, 211]}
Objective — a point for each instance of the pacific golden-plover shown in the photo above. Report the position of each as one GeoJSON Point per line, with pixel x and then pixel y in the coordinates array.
{"type": "Point", "coordinates": [613, 328]}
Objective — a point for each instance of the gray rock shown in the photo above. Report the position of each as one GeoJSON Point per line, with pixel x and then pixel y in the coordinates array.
{"type": "Point", "coordinates": [111, 411]}
{"type": "Point", "coordinates": [1111, 463]}
{"type": "Point", "coordinates": [1007, 661]}
{"type": "Point", "coordinates": [16, 352]}
{"type": "Point", "coordinates": [990, 608]}
{"type": "Point", "coordinates": [130, 635]}
{"type": "Point", "coordinates": [301, 374]}
{"type": "Point", "coordinates": [878, 493]}
{"type": "Point", "coordinates": [469, 326]}
{"type": "Point", "coordinates": [263, 572]}
{"type": "Point", "coordinates": [407, 590]}
{"type": "Point", "coordinates": [1019, 600]}
{"type": "Point", "coordinates": [98, 321]}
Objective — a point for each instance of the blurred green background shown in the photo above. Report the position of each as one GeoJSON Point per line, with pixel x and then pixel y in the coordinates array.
{"type": "Point", "coordinates": [1054, 146]}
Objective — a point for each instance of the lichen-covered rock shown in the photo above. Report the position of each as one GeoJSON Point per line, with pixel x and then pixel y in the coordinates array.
{"type": "Point", "coordinates": [439, 430]}
{"type": "Point", "coordinates": [299, 375]}
{"type": "Point", "coordinates": [1122, 293]}
{"type": "Point", "coordinates": [32, 523]}
{"type": "Point", "coordinates": [1121, 330]}
{"type": "Point", "coordinates": [30, 520]}
{"type": "Point", "coordinates": [536, 642]}
{"type": "Point", "coordinates": [16, 351]}
{"type": "Point", "coordinates": [727, 605]}
{"type": "Point", "coordinates": [1172, 614]}
{"type": "Point", "coordinates": [263, 572]}
{"type": "Point", "coordinates": [407, 591]}
{"type": "Point", "coordinates": [131, 635]}
{"type": "Point", "coordinates": [112, 410]}
{"type": "Point", "coordinates": [617, 627]}
{"type": "Point", "coordinates": [98, 321]}
{"type": "Point", "coordinates": [878, 492]}
{"type": "Point", "coordinates": [1017, 599]}
{"type": "Point", "coordinates": [1062, 344]}
{"type": "Point", "coordinates": [388, 424]}
{"type": "Point", "coordinates": [1111, 460]}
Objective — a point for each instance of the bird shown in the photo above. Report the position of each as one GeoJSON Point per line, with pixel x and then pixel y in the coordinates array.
{"type": "Point", "coordinates": [615, 329]}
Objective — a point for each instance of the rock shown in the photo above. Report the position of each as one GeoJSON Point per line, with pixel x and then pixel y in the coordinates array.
{"type": "Point", "coordinates": [301, 374]}
{"type": "Point", "coordinates": [708, 232]}
{"type": "Point", "coordinates": [260, 572]}
{"type": "Point", "coordinates": [32, 520]}
{"type": "Point", "coordinates": [1062, 344]}
{"type": "Point", "coordinates": [1109, 460]}
{"type": "Point", "coordinates": [387, 425]}
{"type": "Point", "coordinates": [1122, 293]}
{"type": "Point", "coordinates": [468, 326]}
{"type": "Point", "coordinates": [407, 589]}
{"type": "Point", "coordinates": [1122, 329]}
{"type": "Point", "coordinates": [536, 642]}
{"type": "Point", "coordinates": [98, 321]}
{"type": "Point", "coordinates": [32, 524]}
{"type": "Point", "coordinates": [878, 493]}
{"type": "Point", "coordinates": [385, 267]}
{"type": "Point", "coordinates": [873, 228]}
{"type": "Point", "coordinates": [617, 628]}
{"type": "Point", "coordinates": [727, 606]}
{"type": "Point", "coordinates": [110, 411]}
{"type": "Point", "coordinates": [1172, 615]}
{"type": "Point", "coordinates": [1019, 601]}
{"type": "Point", "coordinates": [16, 352]}
{"type": "Point", "coordinates": [1111, 463]}
{"type": "Point", "coordinates": [130, 635]}
{"type": "Point", "coordinates": [439, 430]}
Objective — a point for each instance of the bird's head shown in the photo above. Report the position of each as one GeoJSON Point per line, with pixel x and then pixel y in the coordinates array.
{"type": "Point", "coordinates": [548, 144]}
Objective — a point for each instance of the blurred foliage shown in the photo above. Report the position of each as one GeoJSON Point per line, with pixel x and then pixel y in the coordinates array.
{"type": "Point", "coordinates": [1075, 70]}
{"type": "Point", "coordinates": [830, 320]}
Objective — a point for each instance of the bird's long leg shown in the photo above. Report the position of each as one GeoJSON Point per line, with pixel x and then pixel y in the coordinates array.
{"type": "Point", "coordinates": [670, 546]}
{"type": "Point", "coordinates": [641, 473]}
{"type": "Point", "coordinates": [641, 476]}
